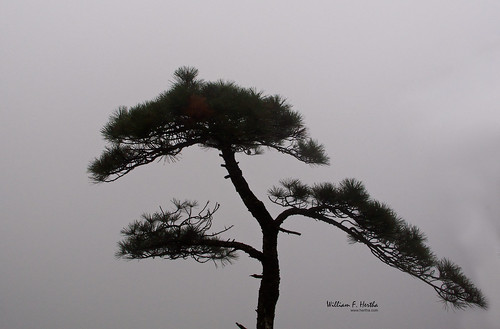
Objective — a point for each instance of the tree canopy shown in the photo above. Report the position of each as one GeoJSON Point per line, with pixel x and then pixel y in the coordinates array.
{"type": "Point", "coordinates": [220, 115]}
{"type": "Point", "coordinates": [235, 120]}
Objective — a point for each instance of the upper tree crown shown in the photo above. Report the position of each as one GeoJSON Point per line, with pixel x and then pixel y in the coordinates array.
{"type": "Point", "coordinates": [218, 114]}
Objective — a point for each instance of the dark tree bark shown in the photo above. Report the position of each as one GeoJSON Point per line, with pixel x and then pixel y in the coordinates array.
{"type": "Point", "coordinates": [270, 281]}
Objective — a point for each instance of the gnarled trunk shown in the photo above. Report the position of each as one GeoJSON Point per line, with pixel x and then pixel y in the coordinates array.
{"type": "Point", "coordinates": [269, 284]}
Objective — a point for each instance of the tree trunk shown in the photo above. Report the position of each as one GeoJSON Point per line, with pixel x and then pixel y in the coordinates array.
{"type": "Point", "coordinates": [269, 284]}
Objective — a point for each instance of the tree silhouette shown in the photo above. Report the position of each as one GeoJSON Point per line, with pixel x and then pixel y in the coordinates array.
{"type": "Point", "coordinates": [224, 116]}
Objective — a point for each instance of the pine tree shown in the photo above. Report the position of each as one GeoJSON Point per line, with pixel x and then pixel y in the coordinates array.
{"type": "Point", "coordinates": [235, 120]}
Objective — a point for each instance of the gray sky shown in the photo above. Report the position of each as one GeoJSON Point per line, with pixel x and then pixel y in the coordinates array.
{"type": "Point", "coordinates": [403, 94]}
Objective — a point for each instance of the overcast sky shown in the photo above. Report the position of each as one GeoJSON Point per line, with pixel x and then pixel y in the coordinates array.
{"type": "Point", "coordinates": [405, 96]}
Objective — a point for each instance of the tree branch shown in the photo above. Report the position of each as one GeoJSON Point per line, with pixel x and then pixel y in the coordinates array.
{"type": "Point", "coordinates": [451, 285]}
{"type": "Point", "coordinates": [121, 158]}
{"type": "Point", "coordinates": [374, 224]}
{"type": "Point", "coordinates": [285, 214]}
{"type": "Point", "coordinates": [289, 232]}
{"type": "Point", "coordinates": [252, 203]}
{"type": "Point", "coordinates": [180, 234]}
{"type": "Point", "coordinates": [249, 250]}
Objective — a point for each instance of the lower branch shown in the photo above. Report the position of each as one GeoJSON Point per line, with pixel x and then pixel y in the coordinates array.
{"type": "Point", "coordinates": [249, 250]}
{"type": "Point", "coordinates": [181, 233]}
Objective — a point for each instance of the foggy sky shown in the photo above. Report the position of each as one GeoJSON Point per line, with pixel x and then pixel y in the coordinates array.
{"type": "Point", "coordinates": [404, 95]}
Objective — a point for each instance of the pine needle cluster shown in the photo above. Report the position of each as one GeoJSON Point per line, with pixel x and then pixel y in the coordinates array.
{"type": "Point", "coordinates": [219, 115]}
{"type": "Point", "coordinates": [181, 233]}
{"type": "Point", "coordinates": [349, 207]}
